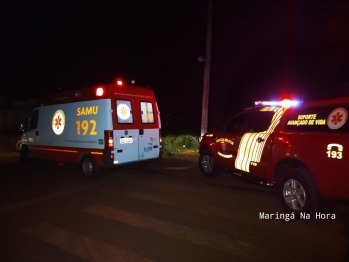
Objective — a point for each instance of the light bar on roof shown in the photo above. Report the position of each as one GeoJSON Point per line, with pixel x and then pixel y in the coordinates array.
{"type": "Point", "coordinates": [283, 103]}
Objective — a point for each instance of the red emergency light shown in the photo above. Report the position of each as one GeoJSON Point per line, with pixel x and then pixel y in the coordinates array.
{"type": "Point", "coordinates": [99, 91]}
{"type": "Point", "coordinates": [119, 82]}
{"type": "Point", "coordinates": [284, 103]}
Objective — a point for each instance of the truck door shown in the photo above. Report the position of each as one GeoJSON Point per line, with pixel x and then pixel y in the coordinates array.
{"type": "Point", "coordinates": [253, 154]}
{"type": "Point", "coordinates": [227, 141]}
{"type": "Point", "coordinates": [242, 143]}
{"type": "Point", "coordinates": [149, 133]}
{"type": "Point", "coordinates": [126, 135]}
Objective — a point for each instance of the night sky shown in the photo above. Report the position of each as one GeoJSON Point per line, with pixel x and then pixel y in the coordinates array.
{"type": "Point", "coordinates": [260, 50]}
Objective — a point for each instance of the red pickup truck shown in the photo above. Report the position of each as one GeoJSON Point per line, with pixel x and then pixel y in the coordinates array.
{"type": "Point", "coordinates": [303, 149]}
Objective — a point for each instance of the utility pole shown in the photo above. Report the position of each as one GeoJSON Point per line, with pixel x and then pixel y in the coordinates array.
{"type": "Point", "coordinates": [207, 61]}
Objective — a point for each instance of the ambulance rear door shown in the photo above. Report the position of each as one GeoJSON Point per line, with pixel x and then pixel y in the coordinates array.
{"type": "Point", "coordinates": [149, 132]}
{"type": "Point", "coordinates": [126, 133]}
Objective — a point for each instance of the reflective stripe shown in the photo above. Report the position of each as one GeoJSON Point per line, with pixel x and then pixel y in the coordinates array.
{"type": "Point", "coordinates": [249, 148]}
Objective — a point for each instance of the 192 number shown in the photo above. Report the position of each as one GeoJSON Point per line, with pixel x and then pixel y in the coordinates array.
{"type": "Point", "coordinates": [85, 126]}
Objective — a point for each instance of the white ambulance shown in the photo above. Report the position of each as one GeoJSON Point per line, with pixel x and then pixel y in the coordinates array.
{"type": "Point", "coordinates": [102, 126]}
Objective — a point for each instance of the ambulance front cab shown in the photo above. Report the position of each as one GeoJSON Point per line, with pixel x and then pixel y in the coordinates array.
{"type": "Point", "coordinates": [302, 148]}
{"type": "Point", "coordinates": [103, 126]}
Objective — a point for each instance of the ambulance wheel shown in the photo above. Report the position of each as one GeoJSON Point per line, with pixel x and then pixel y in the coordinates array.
{"type": "Point", "coordinates": [89, 167]}
{"type": "Point", "coordinates": [25, 155]}
{"type": "Point", "coordinates": [297, 192]}
{"type": "Point", "coordinates": [207, 164]}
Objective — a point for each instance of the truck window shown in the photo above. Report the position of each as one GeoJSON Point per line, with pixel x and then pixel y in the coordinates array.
{"type": "Point", "coordinates": [124, 111]}
{"type": "Point", "coordinates": [147, 112]}
{"type": "Point", "coordinates": [33, 121]}
{"type": "Point", "coordinates": [259, 121]}
{"type": "Point", "coordinates": [235, 124]}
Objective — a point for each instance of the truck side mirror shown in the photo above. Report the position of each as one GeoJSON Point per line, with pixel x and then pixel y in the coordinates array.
{"type": "Point", "coordinates": [23, 127]}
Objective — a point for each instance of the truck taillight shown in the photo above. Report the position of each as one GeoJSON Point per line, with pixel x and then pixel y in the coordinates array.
{"type": "Point", "coordinates": [108, 139]}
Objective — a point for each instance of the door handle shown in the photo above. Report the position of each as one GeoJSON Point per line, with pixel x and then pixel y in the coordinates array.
{"type": "Point", "coordinates": [259, 139]}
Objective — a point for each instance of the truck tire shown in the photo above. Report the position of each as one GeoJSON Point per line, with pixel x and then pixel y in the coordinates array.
{"type": "Point", "coordinates": [25, 155]}
{"type": "Point", "coordinates": [207, 164]}
{"type": "Point", "coordinates": [297, 192]}
{"type": "Point", "coordinates": [89, 167]}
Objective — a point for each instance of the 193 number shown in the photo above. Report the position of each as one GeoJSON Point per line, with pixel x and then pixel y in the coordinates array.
{"type": "Point", "coordinates": [85, 126]}
{"type": "Point", "coordinates": [334, 154]}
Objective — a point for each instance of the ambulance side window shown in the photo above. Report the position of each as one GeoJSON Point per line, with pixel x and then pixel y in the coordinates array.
{"type": "Point", "coordinates": [147, 112]}
{"type": "Point", "coordinates": [124, 111]}
{"type": "Point", "coordinates": [33, 121]}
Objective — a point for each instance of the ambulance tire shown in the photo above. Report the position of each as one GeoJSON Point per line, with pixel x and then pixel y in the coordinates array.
{"type": "Point", "coordinates": [25, 155]}
{"type": "Point", "coordinates": [89, 167]}
{"type": "Point", "coordinates": [207, 164]}
{"type": "Point", "coordinates": [297, 192]}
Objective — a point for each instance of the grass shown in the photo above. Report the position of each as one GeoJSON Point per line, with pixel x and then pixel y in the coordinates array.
{"type": "Point", "coordinates": [180, 145]}
{"type": "Point", "coordinates": [173, 145]}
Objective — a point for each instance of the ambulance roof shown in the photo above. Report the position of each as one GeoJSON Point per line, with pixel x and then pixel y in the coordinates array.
{"type": "Point", "coordinates": [90, 93]}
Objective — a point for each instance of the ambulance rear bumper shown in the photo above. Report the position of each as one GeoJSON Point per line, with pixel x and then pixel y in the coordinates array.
{"type": "Point", "coordinates": [109, 160]}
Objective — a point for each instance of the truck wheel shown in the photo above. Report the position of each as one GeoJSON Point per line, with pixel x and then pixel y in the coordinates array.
{"type": "Point", "coordinates": [25, 155]}
{"type": "Point", "coordinates": [207, 164]}
{"type": "Point", "coordinates": [89, 167]}
{"type": "Point", "coordinates": [297, 192]}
